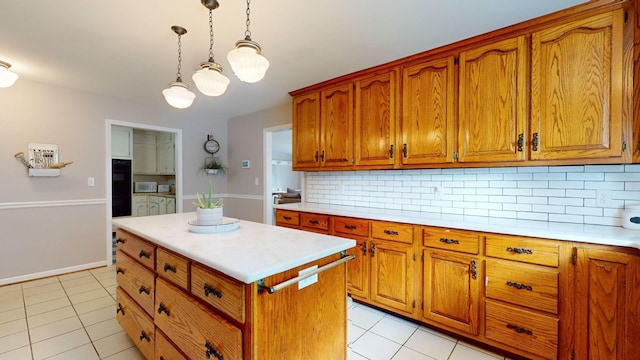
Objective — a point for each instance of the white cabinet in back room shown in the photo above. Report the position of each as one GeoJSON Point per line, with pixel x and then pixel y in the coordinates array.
{"type": "Point", "coordinates": [165, 154]}
{"type": "Point", "coordinates": [140, 205]}
{"type": "Point", "coordinates": [121, 142]}
{"type": "Point", "coordinates": [144, 153]}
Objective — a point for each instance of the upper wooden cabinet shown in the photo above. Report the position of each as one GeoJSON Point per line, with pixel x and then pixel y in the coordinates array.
{"type": "Point", "coordinates": [428, 102]}
{"type": "Point", "coordinates": [576, 92]}
{"type": "Point", "coordinates": [376, 120]}
{"type": "Point", "coordinates": [306, 130]}
{"type": "Point", "coordinates": [492, 109]}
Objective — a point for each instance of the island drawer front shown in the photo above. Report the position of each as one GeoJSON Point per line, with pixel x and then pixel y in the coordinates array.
{"type": "Point", "coordinates": [315, 221]}
{"type": "Point", "coordinates": [224, 294]}
{"type": "Point", "coordinates": [165, 349]}
{"type": "Point", "coordinates": [138, 248]}
{"type": "Point", "coordinates": [138, 325]}
{"type": "Point", "coordinates": [392, 231]}
{"type": "Point", "coordinates": [287, 217]}
{"type": "Point", "coordinates": [530, 250]}
{"type": "Point", "coordinates": [136, 280]}
{"type": "Point", "coordinates": [449, 239]}
{"type": "Point", "coordinates": [173, 267]}
{"type": "Point", "coordinates": [195, 329]}
{"type": "Point", "coordinates": [525, 330]}
{"type": "Point", "coordinates": [349, 226]}
{"type": "Point", "coordinates": [527, 285]}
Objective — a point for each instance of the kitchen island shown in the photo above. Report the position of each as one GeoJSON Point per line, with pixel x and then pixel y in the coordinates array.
{"type": "Point", "coordinates": [231, 295]}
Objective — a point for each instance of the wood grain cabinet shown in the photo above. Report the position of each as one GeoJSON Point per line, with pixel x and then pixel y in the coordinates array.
{"type": "Point", "coordinates": [358, 268]}
{"type": "Point", "coordinates": [136, 323]}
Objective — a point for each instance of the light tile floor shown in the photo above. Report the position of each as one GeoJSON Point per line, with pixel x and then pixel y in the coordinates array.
{"type": "Point", "coordinates": [72, 317]}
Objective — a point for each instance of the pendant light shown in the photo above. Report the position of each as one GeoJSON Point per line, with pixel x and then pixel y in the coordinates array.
{"type": "Point", "coordinates": [7, 77]}
{"type": "Point", "coordinates": [209, 79]}
{"type": "Point", "coordinates": [245, 60]}
{"type": "Point", "coordinates": [178, 94]}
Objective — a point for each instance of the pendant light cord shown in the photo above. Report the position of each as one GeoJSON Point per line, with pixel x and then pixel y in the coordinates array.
{"type": "Point", "coordinates": [179, 75]}
{"type": "Point", "coordinates": [211, 35]}
{"type": "Point", "coordinates": [247, 33]}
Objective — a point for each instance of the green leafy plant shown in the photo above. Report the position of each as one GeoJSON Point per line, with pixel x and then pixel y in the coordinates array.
{"type": "Point", "coordinates": [214, 165]}
{"type": "Point", "coordinates": [206, 202]}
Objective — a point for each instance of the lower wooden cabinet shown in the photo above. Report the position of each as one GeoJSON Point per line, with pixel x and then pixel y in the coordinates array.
{"type": "Point", "coordinates": [136, 323]}
{"type": "Point", "coordinates": [165, 349]}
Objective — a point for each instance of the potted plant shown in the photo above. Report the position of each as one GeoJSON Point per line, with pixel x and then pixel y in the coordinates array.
{"type": "Point", "coordinates": [214, 166]}
{"type": "Point", "coordinates": [208, 212]}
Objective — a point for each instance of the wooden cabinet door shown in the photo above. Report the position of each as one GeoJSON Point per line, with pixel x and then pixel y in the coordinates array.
{"type": "Point", "coordinates": [392, 275]}
{"type": "Point", "coordinates": [375, 125]}
{"type": "Point", "coordinates": [576, 94]}
{"type": "Point", "coordinates": [492, 108]}
{"type": "Point", "coordinates": [336, 131]}
{"type": "Point", "coordinates": [358, 268]}
{"type": "Point", "coordinates": [607, 305]}
{"type": "Point", "coordinates": [451, 290]}
{"type": "Point", "coordinates": [306, 131]}
{"type": "Point", "coordinates": [428, 112]}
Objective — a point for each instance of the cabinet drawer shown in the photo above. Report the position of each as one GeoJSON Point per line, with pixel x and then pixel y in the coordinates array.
{"type": "Point", "coordinates": [527, 285]}
{"type": "Point", "coordinates": [224, 294]}
{"type": "Point", "coordinates": [315, 221]}
{"type": "Point", "coordinates": [138, 325]}
{"type": "Point", "coordinates": [530, 250]}
{"type": "Point", "coordinates": [173, 267]}
{"type": "Point", "coordinates": [392, 231]}
{"type": "Point", "coordinates": [193, 328]}
{"type": "Point", "coordinates": [138, 248]}
{"type": "Point", "coordinates": [447, 239]}
{"type": "Point", "coordinates": [165, 349]}
{"type": "Point", "coordinates": [535, 333]}
{"type": "Point", "coordinates": [349, 226]}
{"type": "Point", "coordinates": [287, 217]}
{"type": "Point", "coordinates": [136, 280]}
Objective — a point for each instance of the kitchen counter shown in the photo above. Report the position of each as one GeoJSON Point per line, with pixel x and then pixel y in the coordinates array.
{"type": "Point", "coordinates": [606, 235]}
{"type": "Point", "coordinates": [252, 252]}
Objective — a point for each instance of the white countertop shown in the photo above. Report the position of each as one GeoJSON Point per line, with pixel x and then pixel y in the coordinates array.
{"type": "Point", "coordinates": [252, 252]}
{"type": "Point", "coordinates": [606, 235]}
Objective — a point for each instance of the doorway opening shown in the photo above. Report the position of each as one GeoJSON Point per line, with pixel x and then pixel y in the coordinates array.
{"type": "Point", "coordinates": [177, 157]}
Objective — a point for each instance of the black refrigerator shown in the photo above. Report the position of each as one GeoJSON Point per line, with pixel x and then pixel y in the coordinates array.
{"type": "Point", "coordinates": [121, 187]}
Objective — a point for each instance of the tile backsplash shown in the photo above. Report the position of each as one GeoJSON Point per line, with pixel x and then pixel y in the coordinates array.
{"type": "Point", "coordinates": [585, 194]}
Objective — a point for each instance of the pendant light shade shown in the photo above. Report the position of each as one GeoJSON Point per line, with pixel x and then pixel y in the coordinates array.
{"type": "Point", "coordinates": [247, 62]}
{"type": "Point", "coordinates": [178, 94]}
{"type": "Point", "coordinates": [7, 77]}
{"type": "Point", "coordinates": [209, 79]}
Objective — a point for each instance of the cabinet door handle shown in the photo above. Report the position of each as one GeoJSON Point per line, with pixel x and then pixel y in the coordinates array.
{"type": "Point", "coordinates": [144, 336]}
{"type": "Point", "coordinates": [162, 308]}
{"type": "Point", "coordinates": [168, 267]}
{"type": "Point", "coordinates": [519, 330]}
{"type": "Point", "coordinates": [144, 254]}
{"type": "Point", "coordinates": [474, 270]}
{"type": "Point", "coordinates": [364, 248]}
{"type": "Point", "coordinates": [144, 290]}
{"type": "Point", "coordinates": [322, 156]}
{"type": "Point", "coordinates": [519, 250]}
{"type": "Point", "coordinates": [405, 151]}
{"type": "Point", "coordinates": [535, 141]}
{"type": "Point", "coordinates": [350, 227]}
{"type": "Point", "coordinates": [208, 289]}
{"type": "Point", "coordinates": [120, 309]}
{"type": "Point", "coordinates": [449, 241]}
{"type": "Point", "coordinates": [119, 241]}
{"type": "Point", "coordinates": [316, 156]}
{"type": "Point", "coordinates": [519, 286]}
{"type": "Point", "coordinates": [520, 142]}
{"type": "Point", "coordinates": [119, 271]}
{"type": "Point", "coordinates": [391, 232]}
{"type": "Point", "coordinates": [391, 151]}
{"type": "Point", "coordinates": [212, 351]}
{"type": "Point", "coordinates": [373, 249]}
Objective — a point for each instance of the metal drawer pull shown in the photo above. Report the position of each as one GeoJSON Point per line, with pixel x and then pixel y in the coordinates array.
{"type": "Point", "coordinates": [287, 217]}
{"type": "Point", "coordinates": [391, 232]}
{"type": "Point", "coordinates": [350, 227]}
{"type": "Point", "coordinates": [364, 248]}
{"type": "Point", "coordinates": [144, 336]}
{"type": "Point", "coordinates": [635, 220]}
{"type": "Point", "coordinates": [519, 330]}
{"type": "Point", "coordinates": [373, 249]}
{"type": "Point", "coordinates": [519, 286]}
{"type": "Point", "coordinates": [119, 271]}
{"type": "Point", "coordinates": [284, 284]}
{"type": "Point", "coordinates": [208, 289]}
{"type": "Point", "coordinates": [162, 308]}
{"type": "Point", "coordinates": [144, 290]}
{"type": "Point", "coordinates": [449, 241]}
{"type": "Point", "coordinates": [119, 241]}
{"type": "Point", "coordinates": [144, 254]}
{"type": "Point", "coordinates": [212, 351]}
{"type": "Point", "coordinates": [314, 222]}
{"type": "Point", "coordinates": [168, 267]}
{"type": "Point", "coordinates": [474, 270]}
{"type": "Point", "coordinates": [120, 309]}
{"type": "Point", "coordinates": [519, 250]}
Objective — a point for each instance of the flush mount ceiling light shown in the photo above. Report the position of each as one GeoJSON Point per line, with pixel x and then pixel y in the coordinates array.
{"type": "Point", "coordinates": [7, 77]}
{"type": "Point", "coordinates": [178, 94]}
{"type": "Point", "coordinates": [209, 79]}
{"type": "Point", "coordinates": [245, 60]}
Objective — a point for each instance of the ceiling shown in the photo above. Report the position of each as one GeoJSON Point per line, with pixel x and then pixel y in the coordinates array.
{"type": "Point", "coordinates": [126, 49]}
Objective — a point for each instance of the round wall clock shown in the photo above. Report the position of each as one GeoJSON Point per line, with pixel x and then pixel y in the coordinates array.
{"type": "Point", "coordinates": [211, 146]}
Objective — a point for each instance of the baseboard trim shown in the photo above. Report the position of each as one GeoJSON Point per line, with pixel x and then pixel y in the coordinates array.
{"type": "Point", "coordinates": [55, 272]}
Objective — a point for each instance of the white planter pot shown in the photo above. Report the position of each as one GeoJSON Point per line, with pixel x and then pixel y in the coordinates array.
{"type": "Point", "coordinates": [209, 216]}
